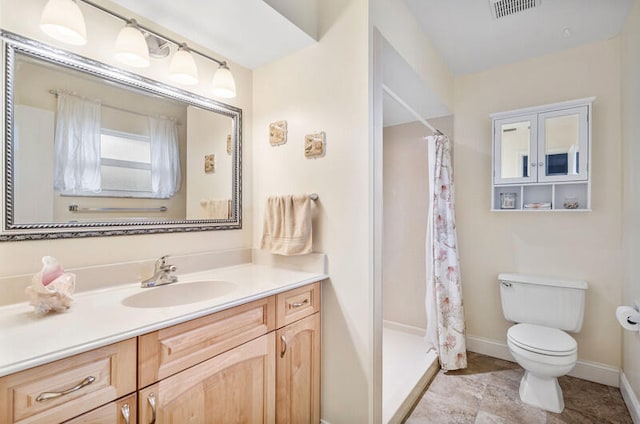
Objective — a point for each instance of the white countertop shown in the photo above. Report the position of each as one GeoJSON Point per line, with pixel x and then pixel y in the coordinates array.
{"type": "Point", "coordinates": [98, 318]}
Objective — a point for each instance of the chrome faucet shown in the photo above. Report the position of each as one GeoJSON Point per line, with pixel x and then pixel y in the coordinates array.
{"type": "Point", "coordinates": [161, 275]}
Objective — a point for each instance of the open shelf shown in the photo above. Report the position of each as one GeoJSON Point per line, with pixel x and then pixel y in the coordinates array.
{"type": "Point", "coordinates": [565, 196]}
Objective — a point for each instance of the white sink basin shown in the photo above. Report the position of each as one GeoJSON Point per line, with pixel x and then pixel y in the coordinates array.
{"type": "Point", "coordinates": [179, 294]}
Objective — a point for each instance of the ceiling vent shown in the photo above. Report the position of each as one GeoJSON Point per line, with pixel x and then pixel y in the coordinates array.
{"type": "Point", "coordinates": [502, 8]}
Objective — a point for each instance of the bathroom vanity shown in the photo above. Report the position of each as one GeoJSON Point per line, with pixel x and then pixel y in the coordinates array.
{"type": "Point", "coordinates": [251, 354]}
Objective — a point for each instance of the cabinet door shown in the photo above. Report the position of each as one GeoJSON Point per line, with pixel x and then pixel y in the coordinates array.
{"type": "Point", "coordinates": [298, 372]}
{"type": "Point", "coordinates": [515, 158]}
{"type": "Point", "coordinates": [122, 411]}
{"type": "Point", "coordinates": [237, 386]}
{"type": "Point", "coordinates": [563, 145]}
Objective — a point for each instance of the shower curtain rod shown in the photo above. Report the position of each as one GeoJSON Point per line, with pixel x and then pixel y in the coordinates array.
{"type": "Point", "coordinates": [402, 103]}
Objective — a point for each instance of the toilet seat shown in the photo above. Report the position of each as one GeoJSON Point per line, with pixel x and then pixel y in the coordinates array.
{"type": "Point", "coordinates": [542, 340]}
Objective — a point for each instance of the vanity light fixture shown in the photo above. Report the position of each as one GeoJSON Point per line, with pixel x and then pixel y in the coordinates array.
{"type": "Point", "coordinates": [63, 21]}
{"type": "Point", "coordinates": [183, 69]}
{"type": "Point", "coordinates": [131, 46]}
{"type": "Point", "coordinates": [223, 83]}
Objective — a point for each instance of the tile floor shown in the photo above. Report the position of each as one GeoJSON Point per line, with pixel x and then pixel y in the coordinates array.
{"type": "Point", "coordinates": [487, 392]}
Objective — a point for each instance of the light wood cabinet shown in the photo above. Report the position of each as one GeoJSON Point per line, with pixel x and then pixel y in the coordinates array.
{"type": "Point", "coordinates": [237, 386]}
{"type": "Point", "coordinates": [298, 372]}
{"type": "Point", "coordinates": [254, 363]}
{"type": "Point", "coordinates": [173, 349]}
{"type": "Point", "coordinates": [274, 377]}
{"type": "Point", "coordinates": [64, 389]}
{"type": "Point", "coordinates": [122, 411]}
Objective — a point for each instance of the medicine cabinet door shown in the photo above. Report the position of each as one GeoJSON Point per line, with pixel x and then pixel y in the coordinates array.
{"type": "Point", "coordinates": [563, 145]}
{"type": "Point", "coordinates": [515, 156]}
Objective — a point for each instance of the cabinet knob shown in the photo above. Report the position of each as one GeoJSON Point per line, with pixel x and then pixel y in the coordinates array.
{"type": "Point", "coordinates": [534, 164]}
{"type": "Point", "coordinates": [540, 163]}
{"type": "Point", "coordinates": [126, 413]}
{"type": "Point", "coordinates": [298, 304]}
{"type": "Point", "coordinates": [52, 395]}
{"type": "Point", "coordinates": [151, 398]}
{"type": "Point", "coordinates": [284, 346]}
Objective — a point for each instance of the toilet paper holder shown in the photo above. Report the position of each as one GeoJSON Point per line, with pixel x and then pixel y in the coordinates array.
{"type": "Point", "coordinates": [629, 317]}
{"type": "Point", "coordinates": [635, 320]}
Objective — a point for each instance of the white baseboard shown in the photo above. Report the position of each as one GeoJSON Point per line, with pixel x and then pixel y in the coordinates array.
{"type": "Point", "coordinates": [591, 371]}
{"type": "Point", "coordinates": [394, 325]}
{"type": "Point", "coordinates": [324, 422]}
{"type": "Point", "coordinates": [630, 398]}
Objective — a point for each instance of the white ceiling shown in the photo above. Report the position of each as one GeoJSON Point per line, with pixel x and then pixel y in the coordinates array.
{"type": "Point", "coordinates": [471, 40]}
{"type": "Point", "coordinates": [250, 33]}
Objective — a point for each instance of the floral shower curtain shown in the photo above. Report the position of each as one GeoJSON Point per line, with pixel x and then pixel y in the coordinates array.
{"type": "Point", "coordinates": [445, 315]}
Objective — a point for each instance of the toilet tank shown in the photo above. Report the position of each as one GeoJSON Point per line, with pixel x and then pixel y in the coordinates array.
{"type": "Point", "coordinates": [552, 302]}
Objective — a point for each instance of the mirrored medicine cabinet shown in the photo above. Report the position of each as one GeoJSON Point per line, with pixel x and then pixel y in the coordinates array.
{"type": "Point", "coordinates": [541, 158]}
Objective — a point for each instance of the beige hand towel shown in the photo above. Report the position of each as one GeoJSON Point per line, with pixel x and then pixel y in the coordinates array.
{"type": "Point", "coordinates": [287, 225]}
{"type": "Point", "coordinates": [214, 209]}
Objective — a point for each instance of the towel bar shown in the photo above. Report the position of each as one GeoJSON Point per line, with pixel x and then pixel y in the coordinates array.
{"type": "Point", "coordinates": [76, 208]}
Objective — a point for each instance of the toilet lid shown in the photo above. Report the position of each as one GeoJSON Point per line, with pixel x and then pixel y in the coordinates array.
{"type": "Point", "coordinates": [543, 340]}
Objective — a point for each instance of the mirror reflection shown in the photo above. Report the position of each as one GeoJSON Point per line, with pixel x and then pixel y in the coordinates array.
{"type": "Point", "coordinates": [89, 145]}
{"type": "Point", "coordinates": [562, 156]}
{"type": "Point", "coordinates": [515, 148]}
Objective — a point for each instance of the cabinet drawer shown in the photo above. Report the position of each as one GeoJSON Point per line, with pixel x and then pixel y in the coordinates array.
{"type": "Point", "coordinates": [297, 303]}
{"type": "Point", "coordinates": [69, 387]}
{"type": "Point", "coordinates": [123, 411]}
{"type": "Point", "coordinates": [170, 350]}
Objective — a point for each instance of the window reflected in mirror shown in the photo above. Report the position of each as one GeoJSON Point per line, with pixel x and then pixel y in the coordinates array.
{"type": "Point", "coordinates": [561, 145]}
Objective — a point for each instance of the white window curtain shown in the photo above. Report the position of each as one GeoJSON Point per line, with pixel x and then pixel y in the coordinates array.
{"type": "Point", "coordinates": [77, 144]}
{"type": "Point", "coordinates": [165, 157]}
{"type": "Point", "coordinates": [445, 315]}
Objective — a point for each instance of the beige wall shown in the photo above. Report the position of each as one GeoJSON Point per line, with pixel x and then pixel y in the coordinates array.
{"type": "Point", "coordinates": [405, 209]}
{"type": "Point", "coordinates": [207, 134]}
{"type": "Point", "coordinates": [325, 88]}
{"type": "Point", "coordinates": [578, 245]}
{"type": "Point", "coordinates": [24, 257]}
{"type": "Point", "coordinates": [631, 155]}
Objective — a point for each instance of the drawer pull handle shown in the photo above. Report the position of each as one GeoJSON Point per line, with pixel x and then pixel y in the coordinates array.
{"type": "Point", "coordinates": [298, 304]}
{"type": "Point", "coordinates": [152, 402]}
{"type": "Point", "coordinates": [126, 413]}
{"type": "Point", "coordinates": [52, 395]}
{"type": "Point", "coordinates": [284, 346]}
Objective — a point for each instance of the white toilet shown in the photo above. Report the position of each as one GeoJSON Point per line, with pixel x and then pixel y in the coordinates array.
{"type": "Point", "coordinates": [543, 309]}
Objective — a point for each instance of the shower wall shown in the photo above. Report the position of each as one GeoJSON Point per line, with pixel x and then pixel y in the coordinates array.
{"type": "Point", "coordinates": [406, 192]}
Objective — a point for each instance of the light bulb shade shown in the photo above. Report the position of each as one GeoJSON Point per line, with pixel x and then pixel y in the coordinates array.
{"type": "Point", "coordinates": [223, 83]}
{"type": "Point", "coordinates": [183, 69]}
{"type": "Point", "coordinates": [131, 47]}
{"type": "Point", "coordinates": [63, 21]}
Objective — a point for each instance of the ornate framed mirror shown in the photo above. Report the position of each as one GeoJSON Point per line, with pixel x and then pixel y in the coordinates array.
{"type": "Point", "coordinates": [93, 150]}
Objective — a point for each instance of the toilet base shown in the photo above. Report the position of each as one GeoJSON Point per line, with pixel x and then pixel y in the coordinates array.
{"type": "Point", "coordinates": [542, 392]}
